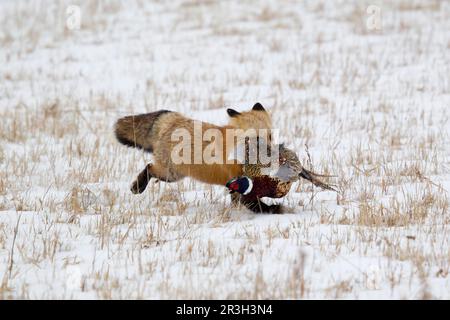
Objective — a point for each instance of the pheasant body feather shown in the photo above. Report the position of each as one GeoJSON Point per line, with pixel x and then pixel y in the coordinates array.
{"type": "Point", "coordinates": [278, 184]}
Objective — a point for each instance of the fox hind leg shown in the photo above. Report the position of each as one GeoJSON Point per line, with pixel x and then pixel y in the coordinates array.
{"type": "Point", "coordinates": [141, 182]}
{"type": "Point", "coordinates": [150, 171]}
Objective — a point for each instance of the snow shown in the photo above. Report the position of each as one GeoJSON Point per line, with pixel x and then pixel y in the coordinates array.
{"type": "Point", "coordinates": [370, 106]}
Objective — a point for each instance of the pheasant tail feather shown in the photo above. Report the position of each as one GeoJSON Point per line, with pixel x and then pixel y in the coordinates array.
{"type": "Point", "coordinates": [311, 176]}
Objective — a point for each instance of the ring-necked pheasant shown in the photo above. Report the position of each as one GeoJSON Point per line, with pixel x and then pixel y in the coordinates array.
{"type": "Point", "coordinates": [256, 184]}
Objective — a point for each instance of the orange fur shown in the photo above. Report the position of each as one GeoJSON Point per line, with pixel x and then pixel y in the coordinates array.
{"type": "Point", "coordinates": [153, 132]}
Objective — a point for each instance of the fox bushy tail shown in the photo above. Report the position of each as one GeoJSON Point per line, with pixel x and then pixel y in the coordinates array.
{"type": "Point", "coordinates": [136, 131]}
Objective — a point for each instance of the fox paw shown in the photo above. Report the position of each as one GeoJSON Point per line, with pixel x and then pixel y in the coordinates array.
{"type": "Point", "coordinates": [137, 188]}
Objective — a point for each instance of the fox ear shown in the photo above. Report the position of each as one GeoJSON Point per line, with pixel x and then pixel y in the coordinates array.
{"type": "Point", "coordinates": [258, 107]}
{"type": "Point", "coordinates": [233, 113]}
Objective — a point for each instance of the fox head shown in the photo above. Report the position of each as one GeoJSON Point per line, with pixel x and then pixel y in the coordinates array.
{"type": "Point", "coordinates": [253, 131]}
{"type": "Point", "coordinates": [256, 118]}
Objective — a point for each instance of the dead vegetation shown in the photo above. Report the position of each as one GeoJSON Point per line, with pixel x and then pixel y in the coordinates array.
{"type": "Point", "coordinates": [372, 110]}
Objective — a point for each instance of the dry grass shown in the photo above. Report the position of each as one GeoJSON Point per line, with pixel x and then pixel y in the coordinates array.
{"type": "Point", "coordinates": [370, 106]}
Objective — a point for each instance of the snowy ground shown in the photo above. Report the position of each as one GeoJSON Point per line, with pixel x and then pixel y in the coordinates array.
{"type": "Point", "coordinates": [372, 106]}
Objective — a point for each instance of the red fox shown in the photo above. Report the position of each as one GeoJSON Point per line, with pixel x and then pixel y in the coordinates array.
{"type": "Point", "coordinates": [154, 132]}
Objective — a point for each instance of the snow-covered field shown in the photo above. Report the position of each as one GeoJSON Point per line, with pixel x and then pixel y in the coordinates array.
{"type": "Point", "coordinates": [371, 101]}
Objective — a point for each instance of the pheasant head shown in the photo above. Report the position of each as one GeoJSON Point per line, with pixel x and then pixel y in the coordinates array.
{"type": "Point", "coordinates": [242, 185]}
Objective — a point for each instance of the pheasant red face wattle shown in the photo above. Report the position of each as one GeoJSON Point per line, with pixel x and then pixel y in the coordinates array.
{"type": "Point", "coordinates": [233, 185]}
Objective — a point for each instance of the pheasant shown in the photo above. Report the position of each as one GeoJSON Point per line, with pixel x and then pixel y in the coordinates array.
{"type": "Point", "coordinates": [256, 184]}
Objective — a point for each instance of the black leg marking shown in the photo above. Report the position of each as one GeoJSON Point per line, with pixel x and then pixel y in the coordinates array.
{"type": "Point", "coordinates": [142, 180]}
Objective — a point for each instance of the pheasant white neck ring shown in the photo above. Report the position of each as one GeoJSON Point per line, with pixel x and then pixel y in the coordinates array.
{"type": "Point", "coordinates": [250, 186]}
